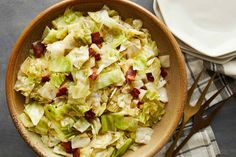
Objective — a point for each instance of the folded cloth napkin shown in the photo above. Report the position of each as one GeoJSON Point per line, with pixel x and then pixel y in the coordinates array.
{"type": "Point", "coordinates": [228, 68]}
{"type": "Point", "coordinates": [204, 143]}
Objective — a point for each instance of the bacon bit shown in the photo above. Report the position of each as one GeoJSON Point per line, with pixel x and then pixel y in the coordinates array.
{"type": "Point", "coordinates": [45, 78]}
{"type": "Point", "coordinates": [76, 152]}
{"type": "Point", "coordinates": [96, 38]}
{"type": "Point", "coordinates": [89, 115]}
{"type": "Point", "coordinates": [67, 147]}
{"type": "Point", "coordinates": [69, 77]}
{"type": "Point", "coordinates": [118, 47]}
{"type": "Point", "coordinates": [38, 48]}
{"type": "Point", "coordinates": [150, 77]}
{"type": "Point", "coordinates": [163, 72]}
{"type": "Point", "coordinates": [62, 91]}
{"type": "Point", "coordinates": [91, 52]}
{"type": "Point", "coordinates": [94, 75]}
{"type": "Point", "coordinates": [97, 57]}
{"type": "Point", "coordinates": [144, 87]}
{"type": "Point", "coordinates": [131, 73]}
{"type": "Point", "coordinates": [139, 104]}
{"type": "Point", "coordinates": [135, 92]}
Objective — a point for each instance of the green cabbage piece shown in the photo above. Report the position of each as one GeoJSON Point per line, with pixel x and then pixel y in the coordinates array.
{"type": "Point", "coordinates": [152, 91]}
{"type": "Point", "coordinates": [80, 90]}
{"type": "Point", "coordinates": [68, 121]}
{"type": "Point", "coordinates": [140, 63]}
{"type": "Point", "coordinates": [62, 133]}
{"type": "Point", "coordinates": [48, 91]}
{"type": "Point", "coordinates": [151, 113]}
{"type": "Point", "coordinates": [104, 153]}
{"type": "Point", "coordinates": [51, 37]}
{"type": "Point", "coordinates": [104, 140]}
{"type": "Point", "coordinates": [34, 67]}
{"type": "Point", "coordinates": [86, 151]}
{"type": "Point", "coordinates": [103, 18]}
{"type": "Point", "coordinates": [60, 64]}
{"type": "Point", "coordinates": [58, 48]}
{"type": "Point", "coordinates": [96, 126]}
{"type": "Point", "coordinates": [35, 112]}
{"type": "Point", "coordinates": [143, 135]}
{"type": "Point", "coordinates": [24, 84]}
{"type": "Point", "coordinates": [25, 120]}
{"type": "Point", "coordinates": [119, 152]}
{"type": "Point", "coordinates": [56, 79]}
{"type": "Point", "coordinates": [80, 141]}
{"type": "Point", "coordinates": [115, 76]}
{"type": "Point", "coordinates": [69, 17]}
{"type": "Point", "coordinates": [165, 61]}
{"type": "Point", "coordinates": [49, 140]}
{"type": "Point", "coordinates": [45, 32]}
{"type": "Point", "coordinates": [117, 40]}
{"type": "Point", "coordinates": [58, 111]}
{"type": "Point", "coordinates": [78, 56]}
{"type": "Point", "coordinates": [83, 28]}
{"type": "Point", "coordinates": [112, 122]}
{"type": "Point", "coordinates": [42, 127]}
{"type": "Point", "coordinates": [81, 125]}
{"type": "Point", "coordinates": [155, 69]}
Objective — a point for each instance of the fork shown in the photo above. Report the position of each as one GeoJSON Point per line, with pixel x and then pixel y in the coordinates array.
{"type": "Point", "coordinates": [189, 110]}
{"type": "Point", "coordinates": [200, 120]}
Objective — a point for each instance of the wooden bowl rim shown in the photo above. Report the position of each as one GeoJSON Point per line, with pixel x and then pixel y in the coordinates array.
{"type": "Point", "coordinates": [13, 56]}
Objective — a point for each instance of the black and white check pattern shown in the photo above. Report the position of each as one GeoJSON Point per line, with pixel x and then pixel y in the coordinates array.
{"type": "Point", "coordinates": [203, 143]}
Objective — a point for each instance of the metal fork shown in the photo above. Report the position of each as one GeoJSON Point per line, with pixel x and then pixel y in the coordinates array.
{"type": "Point", "coordinates": [201, 120]}
{"type": "Point", "coordinates": [189, 110]}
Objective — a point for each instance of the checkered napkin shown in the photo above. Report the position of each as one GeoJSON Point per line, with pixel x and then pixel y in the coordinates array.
{"type": "Point", "coordinates": [202, 143]}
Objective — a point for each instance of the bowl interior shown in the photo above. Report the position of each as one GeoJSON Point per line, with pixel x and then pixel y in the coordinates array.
{"type": "Point", "coordinates": [166, 44]}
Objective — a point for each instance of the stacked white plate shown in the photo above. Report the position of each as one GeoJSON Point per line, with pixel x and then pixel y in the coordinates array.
{"type": "Point", "coordinates": [204, 28]}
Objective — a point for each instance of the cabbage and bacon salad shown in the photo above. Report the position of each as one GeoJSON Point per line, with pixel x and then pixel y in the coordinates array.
{"type": "Point", "coordinates": [93, 85]}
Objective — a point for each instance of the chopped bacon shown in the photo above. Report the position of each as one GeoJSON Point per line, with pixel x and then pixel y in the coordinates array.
{"type": "Point", "coordinates": [91, 52]}
{"type": "Point", "coordinates": [163, 72]}
{"type": "Point", "coordinates": [67, 147]}
{"type": "Point", "coordinates": [96, 38]}
{"type": "Point", "coordinates": [144, 87]}
{"type": "Point", "coordinates": [139, 104]}
{"type": "Point", "coordinates": [62, 91]}
{"type": "Point", "coordinates": [94, 75]}
{"type": "Point", "coordinates": [97, 57]}
{"type": "Point", "coordinates": [118, 47]}
{"type": "Point", "coordinates": [76, 152]}
{"type": "Point", "coordinates": [45, 78]}
{"type": "Point", "coordinates": [135, 92]}
{"type": "Point", "coordinates": [89, 115]}
{"type": "Point", "coordinates": [131, 73]}
{"type": "Point", "coordinates": [69, 77]}
{"type": "Point", "coordinates": [150, 77]}
{"type": "Point", "coordinates": [38, 48]}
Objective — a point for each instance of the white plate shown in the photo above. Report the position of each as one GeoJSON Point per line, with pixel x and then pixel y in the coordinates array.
{"type": "Point", "coordinates": [209, 26]}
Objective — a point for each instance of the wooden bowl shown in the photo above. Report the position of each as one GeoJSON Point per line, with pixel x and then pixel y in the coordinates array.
{"type": "Point", "coordinates": [166, 43]}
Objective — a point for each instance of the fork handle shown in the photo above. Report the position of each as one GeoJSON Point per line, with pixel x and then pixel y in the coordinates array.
{"type": "Point", "coordinates": [176, 151]}
{"type": "Point", "coordinates": [170, 151]}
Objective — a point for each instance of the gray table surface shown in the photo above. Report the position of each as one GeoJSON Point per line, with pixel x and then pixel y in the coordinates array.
{"type": "Point", "coordinates": [14, 16]}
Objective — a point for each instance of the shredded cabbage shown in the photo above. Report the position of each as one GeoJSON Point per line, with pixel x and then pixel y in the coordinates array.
{"type": "Point", "coordinates": [93, 84]}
